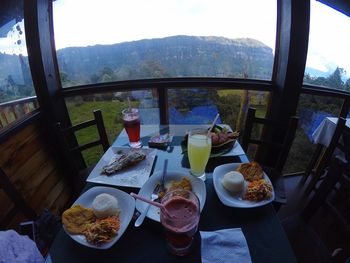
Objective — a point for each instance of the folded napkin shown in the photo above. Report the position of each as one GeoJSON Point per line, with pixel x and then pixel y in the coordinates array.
{"type": "Point", "coordinates": [227, 245]}
{"type": "Point", "coordinates": [15, 248]}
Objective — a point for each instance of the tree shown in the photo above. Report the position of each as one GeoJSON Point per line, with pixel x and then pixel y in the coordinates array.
{"type": "Point", "coordinates": [347, 85]}
{"type": "Point", "coordinates": [64, 79]}
{"type": "Point", "coordinates": [152, 69]}
{"type": "Point", "coordinates": [335, 79]}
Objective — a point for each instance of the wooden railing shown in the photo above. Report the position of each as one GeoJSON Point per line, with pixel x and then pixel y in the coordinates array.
{"type": "Point", "coordinates": [14, 110]}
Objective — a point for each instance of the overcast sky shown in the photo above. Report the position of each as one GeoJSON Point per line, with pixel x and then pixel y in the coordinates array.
{"type": "Point", "coordinates": [119, 21]}
{"type": "Point", "coordinates": [90, 22]}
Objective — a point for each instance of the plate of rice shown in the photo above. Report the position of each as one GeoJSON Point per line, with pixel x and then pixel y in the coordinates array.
{"type": "Point", "coordinates": [255, 188]}
{"type": "Point", "coordinates": [99, 217]}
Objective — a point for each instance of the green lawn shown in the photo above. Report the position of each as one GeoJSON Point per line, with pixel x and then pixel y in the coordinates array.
{"type": "Point", "coordinates": [111, 112]}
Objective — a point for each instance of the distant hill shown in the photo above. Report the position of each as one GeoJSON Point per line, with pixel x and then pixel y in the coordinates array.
{"type": "Point", "coordinates": [10, 65]}
{"type": "Point", "coordinates": [316, 72]}
{"type": "Point", "coordinates": [176, 56]}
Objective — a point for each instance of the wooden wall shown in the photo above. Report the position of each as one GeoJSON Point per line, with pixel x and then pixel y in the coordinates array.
{"type": "Point", "coordinates": [30, 162]}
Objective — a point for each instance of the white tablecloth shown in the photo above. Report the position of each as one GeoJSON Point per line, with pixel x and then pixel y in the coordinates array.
{"type": "Point", "coordinates": [324, 132]}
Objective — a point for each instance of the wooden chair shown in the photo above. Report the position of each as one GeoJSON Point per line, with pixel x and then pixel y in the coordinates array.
{"type": "Point", "coordinates": [332, 195]}
{"type": "Point", "coordinates": [341, 131]}
{"type": "Point", "coordinates": [73, 151]}
{"type": "Point", "coordinates": [274, 172]}
{"type": "Point", "coordinates": [41, 228]}
{"type": "Point", "coordinates": [19, 203]}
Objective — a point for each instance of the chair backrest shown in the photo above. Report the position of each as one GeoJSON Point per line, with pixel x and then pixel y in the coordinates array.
{"type": "Point", "coordinates": [289, 127]}
{"type": "Point", "coordinates": [19, 203]}
{"type": "Point", "coordinates": [334, 143]}
{"type": "Point", "coordinates": [75, 150]}
{"type": "Point", "coordinates": [333, 195]}
{"type": "Point", "coordinates": [341, 131]}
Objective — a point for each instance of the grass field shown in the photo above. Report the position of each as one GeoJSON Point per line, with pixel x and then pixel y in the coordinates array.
{"type": "Point", "coordinates": [111, 112]}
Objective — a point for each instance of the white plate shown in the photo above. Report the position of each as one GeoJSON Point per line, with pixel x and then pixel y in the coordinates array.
{"type": "Point", "coordinates": [133, 176]}
{"type": "Point", "coordinates": [198, 187]}
{"type": "Point", "coordinates": [126, 207]}
{"type": "Point", "coordinates": [235, 200]}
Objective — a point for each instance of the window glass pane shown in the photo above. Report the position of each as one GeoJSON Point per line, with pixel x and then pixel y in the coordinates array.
{"type": "Point", "coordinates": [312, 110]}
{"type": "Point", "coordinates": [115, 40]}
{"type": "Point", "coordinates": [81, 108]}
{"type": "Point", "coordinates": [328, 59]}
{"type": "Point", "coordinates": [200, 106]}
{"type": "Point", "coordinates": [16, 86]}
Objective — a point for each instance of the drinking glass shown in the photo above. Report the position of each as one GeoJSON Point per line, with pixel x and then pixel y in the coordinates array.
{"type": "Point", "coordinates": [131, 120]}
{"type": "Point", "coordinates": [198, 150]}
{"type": "Point", "coordinates": [179, 218]}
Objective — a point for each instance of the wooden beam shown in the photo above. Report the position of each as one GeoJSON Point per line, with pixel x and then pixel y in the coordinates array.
{"type": "Point", "coordinates": [291, 52]}
{"type": "Point", "coordinates": [42, 59]}
{"type": "Point", "coordinates": [43, 64]}
{"type": "Point", "coordinates": [293, 34]}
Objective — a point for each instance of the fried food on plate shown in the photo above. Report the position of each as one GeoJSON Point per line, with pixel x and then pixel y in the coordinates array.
{"type": "Point", "coordinates": [251, 171]}
{"type": "Point", "coordinates": [184, 183]}
{"type": "Point", "coordinates": [258, 190]}
{"type": "Point", "coordinates": [77, 218]}
{"type": "Point", "coordinates": [102, 230]}
{"type": "Point", "coordinates": [123, 159]}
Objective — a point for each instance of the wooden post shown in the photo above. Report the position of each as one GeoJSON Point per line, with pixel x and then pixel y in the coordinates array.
{"type": "Point", "coordinates": [290, 59]}
{"type": "Point", "coordinates": [43, 65]}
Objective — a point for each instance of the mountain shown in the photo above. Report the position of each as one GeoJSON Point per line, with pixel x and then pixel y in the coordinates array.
{"type": "Point", "coordinates": [10, 65]}
{"type": "Point", "coordinates": [176, 56]}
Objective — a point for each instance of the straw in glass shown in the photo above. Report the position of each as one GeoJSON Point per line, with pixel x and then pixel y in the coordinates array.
{"type": "Point", "coordinates": [213, 123]}
{"type": "Point", "coordinates": [147, 200]}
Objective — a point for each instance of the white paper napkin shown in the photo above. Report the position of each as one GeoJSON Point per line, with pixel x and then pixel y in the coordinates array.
{"type": "Point", "coordinates": [226, 245]}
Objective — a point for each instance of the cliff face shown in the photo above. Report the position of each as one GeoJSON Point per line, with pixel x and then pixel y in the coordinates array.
{"type": "Point", "coordinates": [10, 65]}
{"type": "Point", "coordinates": [176, 56]}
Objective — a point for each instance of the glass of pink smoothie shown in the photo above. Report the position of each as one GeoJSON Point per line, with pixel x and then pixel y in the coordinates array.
{"type": "Point", "coordinates": [179, 218]}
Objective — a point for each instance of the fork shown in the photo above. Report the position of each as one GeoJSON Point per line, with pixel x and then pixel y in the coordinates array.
{"type": "Point", "coordinates": [154, 196]}
{"type": "Point", "coordinates": [165, 167]}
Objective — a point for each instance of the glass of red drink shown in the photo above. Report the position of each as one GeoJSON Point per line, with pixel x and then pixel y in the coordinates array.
{"type": "Point", "coordinates": [131, 120]}
{"type": "Point", "coordinates": [179, 218]}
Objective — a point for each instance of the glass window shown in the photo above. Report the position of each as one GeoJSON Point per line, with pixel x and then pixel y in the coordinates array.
{"type": "Point", "coordinates": [312, 110]}
{"type": "Point", "coordinates": [81, 108]}
{"type": "Point", "coordinates": [328, 59]}
{"type": "Point", "coordinates": [16, 86]}
{"type": "Point", "coordinates": [111, 40]}
{"type": "Point", "coordinates": [200, 106]}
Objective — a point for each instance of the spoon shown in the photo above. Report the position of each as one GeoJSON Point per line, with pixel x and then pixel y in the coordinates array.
{"type": "Point", "coordinates": [159, 188]}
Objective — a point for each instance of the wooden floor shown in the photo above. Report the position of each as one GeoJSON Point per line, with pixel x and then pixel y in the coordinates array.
{"type": "Point", "coordinates": [323, 226]}
{"type": "Point", "coordinates": [295, 198]}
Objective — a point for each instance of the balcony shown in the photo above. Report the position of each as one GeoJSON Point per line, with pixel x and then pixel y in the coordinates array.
{"type": "Point", "coordinates": [33, 160]}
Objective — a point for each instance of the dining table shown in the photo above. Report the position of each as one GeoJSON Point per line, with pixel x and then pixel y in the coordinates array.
{"type": "Point", "coordinates": [262, 229]}
{"type": "Point", "coordinates": [324, 132]}
{"type": "Point", "coordinates": [322, 137]}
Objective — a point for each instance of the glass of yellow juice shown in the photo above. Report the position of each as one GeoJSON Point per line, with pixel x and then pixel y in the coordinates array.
{"type": "Point", "coordinates": [198, 150]}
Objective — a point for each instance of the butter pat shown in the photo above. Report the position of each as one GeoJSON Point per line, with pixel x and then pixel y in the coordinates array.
{"type": "Point", "coordinates": [233, 182]}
